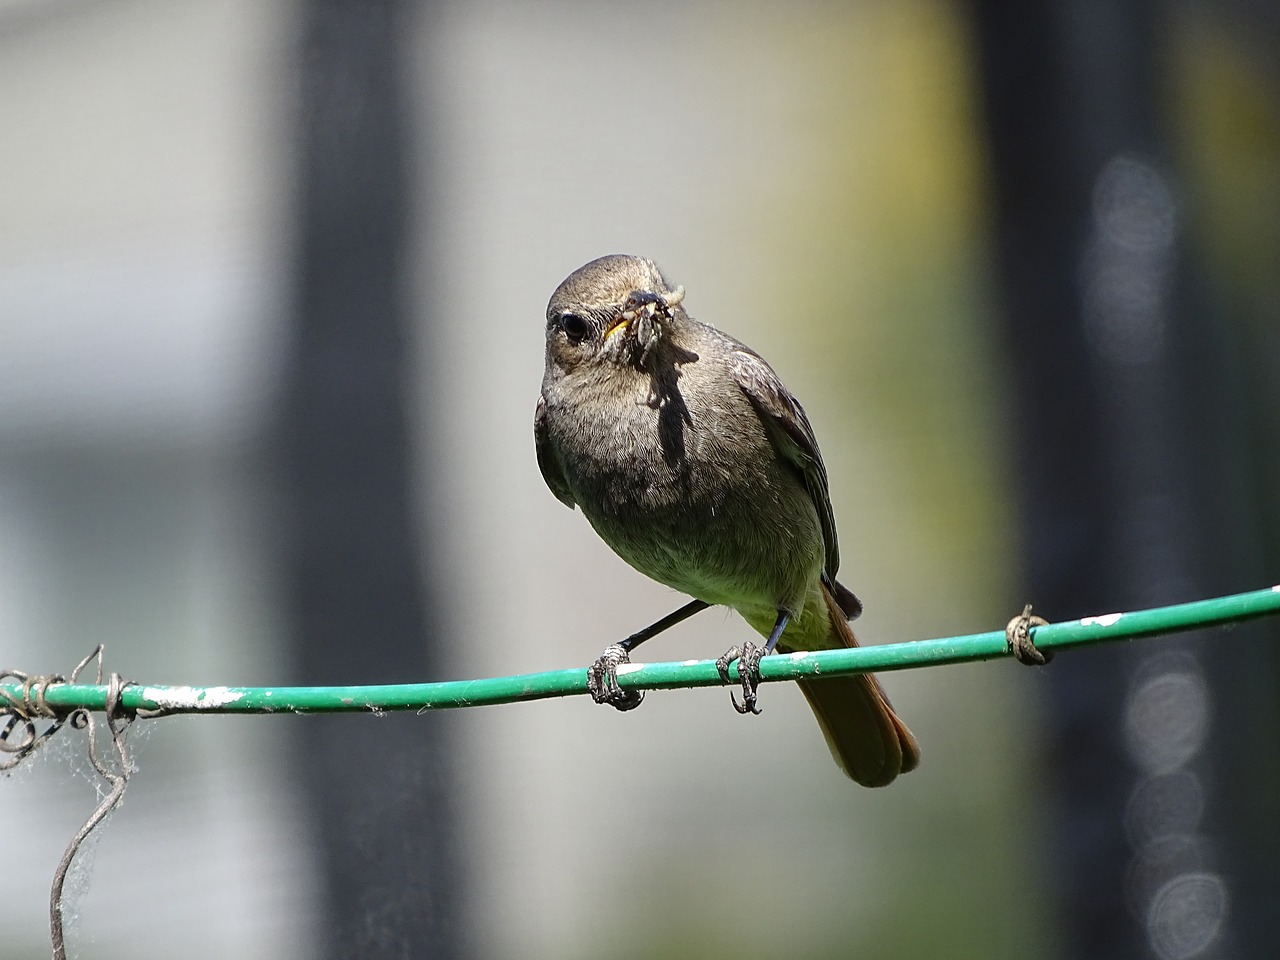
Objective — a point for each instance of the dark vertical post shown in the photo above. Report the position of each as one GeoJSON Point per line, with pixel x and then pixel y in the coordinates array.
{"type": "Point", "coordinates": [378, 789]}
{"type": "Point", "coordinates": [1099, 329]}
{"type": "Point", "coordinates": [1041, 177]}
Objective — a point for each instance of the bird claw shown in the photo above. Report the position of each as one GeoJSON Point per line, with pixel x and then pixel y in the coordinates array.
{"type": "Point", "coordinates": [748, 657]}
{"type": "Point", "coordinates": [602, 680]}
{"type": "Point", "coordinates": [1018, 636]}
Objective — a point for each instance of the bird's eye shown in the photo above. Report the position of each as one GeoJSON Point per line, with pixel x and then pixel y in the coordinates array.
{"type": "Point", "coordinates": [574, 327]}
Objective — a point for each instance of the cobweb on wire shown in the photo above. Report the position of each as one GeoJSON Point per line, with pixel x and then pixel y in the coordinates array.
{"type": "Point", "coordinates": [27, 724]}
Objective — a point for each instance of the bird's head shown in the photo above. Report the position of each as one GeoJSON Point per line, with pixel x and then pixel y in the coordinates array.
{"type": "Point", "coordinates": [612, 310]}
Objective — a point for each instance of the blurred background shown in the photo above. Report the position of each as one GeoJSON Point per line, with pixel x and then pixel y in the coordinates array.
{"type": "Point", "coordinates": [272, 281]}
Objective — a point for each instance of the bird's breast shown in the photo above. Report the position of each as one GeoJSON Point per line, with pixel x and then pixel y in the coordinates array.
{"type": "Point", "coordinates": [683, 482]}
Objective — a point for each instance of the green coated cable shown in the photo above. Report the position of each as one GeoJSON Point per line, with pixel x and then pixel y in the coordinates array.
{"type": "Point", "coordinates": [658, 676]}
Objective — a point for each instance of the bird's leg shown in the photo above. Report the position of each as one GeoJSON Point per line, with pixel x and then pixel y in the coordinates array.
{"type": "Point", "coordinates": [602, 676]}
{"type": "Point", "coordinates": [670, 620]}
{"type": "Point", "coordinates": [749, 657]}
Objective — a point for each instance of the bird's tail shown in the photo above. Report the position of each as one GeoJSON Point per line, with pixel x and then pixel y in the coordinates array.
{"type": "Point", "coordinates": [868, 741]}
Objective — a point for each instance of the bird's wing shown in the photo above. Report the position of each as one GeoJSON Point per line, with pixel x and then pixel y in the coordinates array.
{"type": "Point", "coordinates": [789, 429]}
{"type": "Point", "coordinates": [548, 463]}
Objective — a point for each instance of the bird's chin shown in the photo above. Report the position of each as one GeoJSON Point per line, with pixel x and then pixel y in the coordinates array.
{"type": "Point", "coordinates": [621, 348]}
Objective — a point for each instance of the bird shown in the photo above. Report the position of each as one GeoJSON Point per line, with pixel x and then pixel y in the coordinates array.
{"type": "Point", "coordinates": [693, 461]}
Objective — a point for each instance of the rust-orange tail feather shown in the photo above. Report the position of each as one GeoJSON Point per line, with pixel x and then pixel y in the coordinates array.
{"type": "Point", "coordinates": [866, 737]}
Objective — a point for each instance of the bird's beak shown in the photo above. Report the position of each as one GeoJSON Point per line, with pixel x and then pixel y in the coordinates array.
{"type": "Point", "coordinates": [639, 300]}
{"type": "Point", "coordinates": [645, 301]}
{"type": "Point", "coordinates": [620, 323]}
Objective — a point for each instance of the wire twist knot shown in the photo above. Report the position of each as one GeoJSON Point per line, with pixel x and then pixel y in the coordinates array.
{"type": "Point", "coordinates": [21, 735]}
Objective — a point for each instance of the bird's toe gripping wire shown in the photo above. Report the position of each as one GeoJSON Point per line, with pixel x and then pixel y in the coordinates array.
{"type": "Point", "coordinates": [749, 657]}
{"type": "Point", "coordinates": [602, 680]}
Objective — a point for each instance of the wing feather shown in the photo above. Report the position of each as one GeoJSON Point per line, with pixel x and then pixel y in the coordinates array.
{"type": "Point", "coordinates": [789, 428]}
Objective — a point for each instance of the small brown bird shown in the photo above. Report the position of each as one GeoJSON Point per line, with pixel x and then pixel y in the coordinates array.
{"type": "Point", "coordinates": [699, 468]}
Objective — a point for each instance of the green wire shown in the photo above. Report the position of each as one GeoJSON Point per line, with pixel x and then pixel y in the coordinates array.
{"type": "Point", "coordinates": [660, 676]}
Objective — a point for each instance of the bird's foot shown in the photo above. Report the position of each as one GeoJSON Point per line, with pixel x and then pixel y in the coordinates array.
{"type": "Point", "coordinates": [748, 657]}
{"type": "Point", "coordinates": [602, 680]}
{"type": "Point", "coordinates": [1018, 635]}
